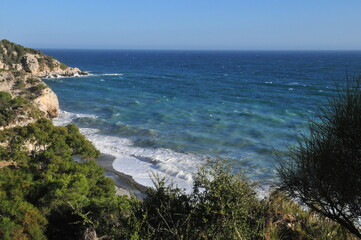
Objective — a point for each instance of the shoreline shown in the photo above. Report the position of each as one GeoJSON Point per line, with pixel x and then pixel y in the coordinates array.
{"type": "Point", "coordinates": [125, 184]}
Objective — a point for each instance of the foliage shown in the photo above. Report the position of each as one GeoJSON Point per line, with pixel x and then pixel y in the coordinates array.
{"type": "Point", "coordinates": [11, 53]}
{"type": "Point", "coordinates": [37, 89]}
{"type": "Point", "coordinates": [32, 80]}
{"type": "Point", "coordinates": [45, 60]}
{"type": "Point", "coordinates": [10, 106]}
{"type": "Point", "coordinates": [324, 170]}
{"type": "Point", "coordinates": [227, 204]}
{"type": "Point", "coordinates": [286, 220]}
{"type": "Point", "coordinates": [63, 66]}
{"type": "Point", "coordinates": [221, 206]}
{"type": "Point", "coordinates": [19, 84]}
{"type": "Point", "coordinates": [46, 182]}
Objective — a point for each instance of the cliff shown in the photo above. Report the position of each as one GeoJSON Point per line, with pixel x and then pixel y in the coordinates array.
{"type": "Point", "coordinates": [27, 97]}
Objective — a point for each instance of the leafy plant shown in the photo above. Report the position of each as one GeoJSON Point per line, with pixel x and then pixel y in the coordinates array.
{"type": "Point", "coordinates": [324, 170]}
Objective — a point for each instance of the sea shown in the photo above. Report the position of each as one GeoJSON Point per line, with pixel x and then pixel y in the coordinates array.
{"type": "Point", "coordinates": [167, 113]}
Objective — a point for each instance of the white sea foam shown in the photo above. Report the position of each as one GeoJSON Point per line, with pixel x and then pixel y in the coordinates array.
{"type": "Point", "coordinates": [77, 75]}
{"type": "Point", "coordinates": [67, 117]}
{"type": "Point", "coordinates": [61, 76]}
{"type": "Point", "coordinates": [293, 83]}
{"type": "Point", "coordinates": [113, 74]}
{"type": "Point", "coordinates": [142, 163]}
{"type": "Point", "coordinates": [139, 162]}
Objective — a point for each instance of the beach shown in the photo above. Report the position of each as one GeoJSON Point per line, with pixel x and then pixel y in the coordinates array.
{"type": "Point", "coordinates": [125, 183]}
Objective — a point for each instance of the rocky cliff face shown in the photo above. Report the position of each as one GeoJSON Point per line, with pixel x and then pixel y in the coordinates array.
{"type": "Point", "coordinates": [41, 101]}
{"type": "Point", "coordinates": [47, 67]}
{"type": "Point", "coordinates": [15, 57]}
{"type": "Point", "coordinates": [21, 70]}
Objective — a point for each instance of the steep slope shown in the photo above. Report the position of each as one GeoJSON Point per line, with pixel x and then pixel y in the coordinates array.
{"type": "Point", "coordinates": [24, 97]}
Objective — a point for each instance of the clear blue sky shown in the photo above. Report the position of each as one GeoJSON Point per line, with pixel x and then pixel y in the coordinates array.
{"type": "Point", "coordinates": [183, 24]}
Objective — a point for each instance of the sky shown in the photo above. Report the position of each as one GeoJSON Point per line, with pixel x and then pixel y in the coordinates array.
{"type": "Point", "coordinates": [183, 24]}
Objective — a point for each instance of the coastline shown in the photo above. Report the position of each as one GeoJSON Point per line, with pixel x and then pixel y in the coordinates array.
{"type": "Point", "coordinates": [125, 184]}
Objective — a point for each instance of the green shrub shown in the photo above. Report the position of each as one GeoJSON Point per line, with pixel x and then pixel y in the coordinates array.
{"type": "Point", "coordinates": [19, 84]}
{"type": "Point", "coordinates": [9, 107]}
{"type": "Point", "coordinates": [63, 66]}
{"type": "Point", "coordinates": [324, 170]}
{"type": "Point", "coordinates": [286, 220]}
{"type": "Point", "coordinates": [5, 98]}
{"type": "Point", "coordinates": [221, 206]}
{"type": "Point", "coordinates": [38, 89]}
{"type": "Point", "coordinates": [32, 81]}
{"type": "Point", "coordinates": [48, 183]}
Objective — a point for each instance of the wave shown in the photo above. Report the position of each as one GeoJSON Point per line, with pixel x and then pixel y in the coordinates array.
{"type": "Point", "coordinates": [143, 162]}
{"type": "Point", "coordinates": [76, 75]}
{"type": "Point", "coordinates": [140, 162]}
{"type": "Point", "coordinates": [112, 74]}
{"type": "Point", "coordinates": [68, 117]}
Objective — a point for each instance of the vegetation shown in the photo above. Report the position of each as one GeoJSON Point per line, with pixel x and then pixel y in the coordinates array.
{"type": "Point", "coordinates": [63, 66]}
{"type": "Point", "coordinates": [11, 53]}
{"type": "Point", "coordinates": [47, 61]}
{"type": "Point", "coordinates": [45, 194]}
{"type": "Point", "coordinates": [32, 80]}
{"type": "Point", "coordinates": [225, 206]}
{"type": "Point", "coordinates": [10, 107]}
{"type": "Point", "coordinates": [37, 89]}
{"type": "Point", "coordinates": [286, 220]}
{"type": "Point", "coordinates": [45, 182]}
{"type": "Point", "coordinates": [324, 170]}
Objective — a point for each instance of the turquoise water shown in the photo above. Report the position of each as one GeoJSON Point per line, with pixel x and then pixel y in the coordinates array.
{"type": "Point", "coordinates": [167, 111]}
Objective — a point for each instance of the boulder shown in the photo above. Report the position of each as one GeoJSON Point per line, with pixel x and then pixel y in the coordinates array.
{"type": "Point", "coordinates": [30, 63]}
{"type": "Point", "coordinates": [48, 103]}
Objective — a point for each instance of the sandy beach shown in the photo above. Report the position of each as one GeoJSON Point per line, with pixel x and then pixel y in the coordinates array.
{"type": "Point", "coordinates": [125, 183]}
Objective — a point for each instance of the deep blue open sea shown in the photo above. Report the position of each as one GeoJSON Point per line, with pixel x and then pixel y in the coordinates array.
{"type": "Point", "coordinates": [168, 111]}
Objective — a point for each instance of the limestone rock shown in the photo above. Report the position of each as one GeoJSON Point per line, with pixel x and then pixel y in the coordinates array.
{"type": "Point", "coordinates": [2, 65]}
{"type": "Point", "coordinates": [17, 67]}
{"type": "Point", "coordinates": [48, 103]}
{"type": "Point", "coordinates": [24, 68]}
{"type": "Point", "coordinates": [30, 63]}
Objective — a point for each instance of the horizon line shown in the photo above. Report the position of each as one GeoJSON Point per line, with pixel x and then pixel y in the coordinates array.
{"type": "Point", "coordinates": [203, 50]}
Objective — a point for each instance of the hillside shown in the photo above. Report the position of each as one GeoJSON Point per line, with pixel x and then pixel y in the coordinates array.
{"type": "Point", "coordinates": [24, 97]}
{"type": "Point", "coordinates": [19, 58]}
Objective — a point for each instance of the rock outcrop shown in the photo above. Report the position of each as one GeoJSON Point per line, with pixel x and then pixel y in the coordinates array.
{"type": "Point", "coordinates": [18, 58]}
{"type": "Point", "coordinates": [48, 103]}
{"type": "Point", "coordinates": [21, 70]}
{"type": "Point", "coordinates": [35, 91]}
{"type": "Point", "coordinates": [30, 63]}
{"type": "Point", "coordinates": [48, 67]}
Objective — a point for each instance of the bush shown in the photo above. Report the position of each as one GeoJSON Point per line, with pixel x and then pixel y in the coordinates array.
{"type": "Point", "coordinates": [9, 107]}
{"type": "Point", "coordinates": [32, 80]}
{"type": "Point", "coordinates": [19, 84]}
{"type": "Point", "coordinates": [38, 89]}
{"type": "Point", "coordinates": [286, 220]}
{"type": "Point", "coordinates": [5, 98]}
{"type": "Point", "coordinates": [41, 189]}
{"type": "Point", "coordinates": [221, 206]}
{"type": "Point", "coordinates": [324, 170]}
{"type": "Point", "coordinates": [63, 66]}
